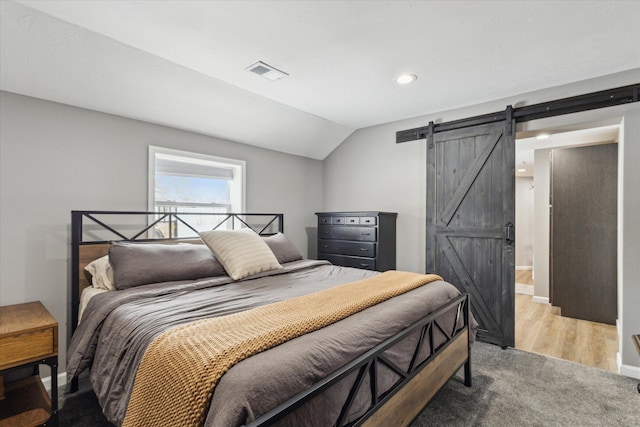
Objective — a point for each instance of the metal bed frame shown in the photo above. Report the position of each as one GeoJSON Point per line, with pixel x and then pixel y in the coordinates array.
{"type": "Point", "coordinates": [80, 219]}
{"type": "Point", "coordinates": [398, 405]}
{"type": "Point", "coordinates": [367, 365]}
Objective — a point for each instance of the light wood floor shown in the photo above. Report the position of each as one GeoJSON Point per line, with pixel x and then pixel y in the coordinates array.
{"type": "Point", "coordinates": [541, 329]}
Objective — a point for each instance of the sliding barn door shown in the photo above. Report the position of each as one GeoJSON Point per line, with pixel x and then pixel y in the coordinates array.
{"type": "Point", "coordinates": [470, 220]}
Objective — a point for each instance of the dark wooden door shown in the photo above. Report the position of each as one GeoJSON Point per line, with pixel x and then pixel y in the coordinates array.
{"type": "Point", "coordinates": [584, 189]}
{"type": "Point", "coordinates": [470, 221]}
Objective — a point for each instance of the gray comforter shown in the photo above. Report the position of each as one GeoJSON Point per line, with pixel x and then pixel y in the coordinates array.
{"type": "Point", "coordinates": [117, 327]}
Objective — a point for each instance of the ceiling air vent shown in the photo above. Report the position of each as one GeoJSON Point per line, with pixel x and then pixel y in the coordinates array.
{"type": "Point", "coordinates": [266, 71]}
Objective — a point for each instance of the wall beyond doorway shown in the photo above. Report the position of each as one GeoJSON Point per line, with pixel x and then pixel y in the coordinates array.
{"type": "Point", "coordinates": [524, 223]}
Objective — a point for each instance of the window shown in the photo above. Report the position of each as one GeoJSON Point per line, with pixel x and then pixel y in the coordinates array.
{"type": "Point", "coordinates": [185, 182]}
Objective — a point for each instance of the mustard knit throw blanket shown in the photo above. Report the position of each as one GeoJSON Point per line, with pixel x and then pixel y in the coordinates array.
{"type": "Point", "coordinates": [180, 368]}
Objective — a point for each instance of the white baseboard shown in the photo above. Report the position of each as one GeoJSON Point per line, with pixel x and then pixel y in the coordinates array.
{"type": "Point", "coordinates": [628, 370]}
{"type": "Point", "coordinates": [62, 380]}
{"type": "Point", "coordinates": [524, 267]}
{"type": "Point", "coordinates": [541, 300]}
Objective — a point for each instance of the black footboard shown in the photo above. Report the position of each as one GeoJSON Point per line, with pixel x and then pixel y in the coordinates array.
{"type": "Point", "coordinates": [367, 364]}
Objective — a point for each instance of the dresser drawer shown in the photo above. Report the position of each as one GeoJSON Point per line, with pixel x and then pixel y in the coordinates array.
{"type": "Point", "coordinates": [324, 220]}
{"type": "Point", "coordinates": [337, 220]}
{"type": "Point", "coordinates": [26, 346]}
{"type": "Point", "coordinates": [368, 220]}
{"type": "Point", "coordinates": [365, 249]}
{"type": "Point", "coordinates": [365, 234]}
{"type": "Point", "coordinates": [350, 261]}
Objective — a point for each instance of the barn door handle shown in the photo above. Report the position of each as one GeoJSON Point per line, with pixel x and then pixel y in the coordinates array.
{"type": "Point", "coordinates": [508, 233]}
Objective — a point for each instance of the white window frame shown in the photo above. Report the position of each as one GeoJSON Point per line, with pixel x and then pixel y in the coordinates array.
{"type": "Point", "coordinates": [238, 201]}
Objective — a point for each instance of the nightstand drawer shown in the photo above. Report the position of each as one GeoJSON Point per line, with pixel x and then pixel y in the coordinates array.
{"type": "Point", "coordinates": [28, 345]}
{"type": "Point", "coordinates": [366, 234]}
{"type": "Point", "coordinates": [365, 249]}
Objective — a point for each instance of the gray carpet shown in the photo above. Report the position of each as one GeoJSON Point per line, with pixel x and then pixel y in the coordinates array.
{"type": "Point", "coordinates": [510, 388]}
{"type": "Point", "coordinates": [517, 388]}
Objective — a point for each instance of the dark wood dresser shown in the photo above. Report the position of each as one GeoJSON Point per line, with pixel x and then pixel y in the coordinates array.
{"type": "Point", "coordinates": [358, 239]}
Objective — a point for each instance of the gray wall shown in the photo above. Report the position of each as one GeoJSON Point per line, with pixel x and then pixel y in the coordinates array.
{"type": "Point", "coordinates": [55, 158]}
{"type": "Point", "coordinates": [629, 247]}
{"type": "Point", "coordinates": [370, 171]}
{"type": "Point", "coordinates": [524, 221]}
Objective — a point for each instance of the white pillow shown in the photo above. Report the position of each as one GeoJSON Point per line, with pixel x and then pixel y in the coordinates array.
{"type": "Point", "coordinates": [241, 252]}
{"type": "Point", "coordinates": [101, 273]}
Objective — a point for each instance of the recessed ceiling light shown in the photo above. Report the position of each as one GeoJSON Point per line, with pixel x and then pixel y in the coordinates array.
{"type": "Point", "coordinates": [406, 79]}
{"type": "Point", "coordinates": [522, 170]}
{"type": "Point", "coordinates": [543, 136]}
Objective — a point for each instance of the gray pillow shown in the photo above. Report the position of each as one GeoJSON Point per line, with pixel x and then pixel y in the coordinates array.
{"type": "Point", "coordinates": [283, 248]}
{"type": "Point", "coordinates": [136, 264]}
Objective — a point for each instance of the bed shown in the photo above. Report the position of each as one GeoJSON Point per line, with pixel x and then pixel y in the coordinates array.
{"type": "Point", "coordinates": [377, 366]}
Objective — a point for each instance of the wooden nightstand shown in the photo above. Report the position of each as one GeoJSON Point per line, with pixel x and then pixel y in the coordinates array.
{"type": "Point", "coordinates": [28, 338]}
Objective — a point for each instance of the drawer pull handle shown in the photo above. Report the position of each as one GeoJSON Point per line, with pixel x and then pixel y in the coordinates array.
{"type": "Point", "coordinates": [364, 249]}
{"type": "Point", "coordinates": [325, 246]}
{"type": "Point", "coordinates": [366, 234]}
{"type": "Point", "coordinates": [364, 264]}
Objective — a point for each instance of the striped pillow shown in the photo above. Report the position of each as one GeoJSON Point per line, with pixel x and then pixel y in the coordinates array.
{"type": "Point", "coordinates": [241, 252]}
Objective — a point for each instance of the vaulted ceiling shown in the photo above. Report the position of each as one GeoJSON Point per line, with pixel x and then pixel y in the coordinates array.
{"type": "Point", "coordinates": [182, 63]}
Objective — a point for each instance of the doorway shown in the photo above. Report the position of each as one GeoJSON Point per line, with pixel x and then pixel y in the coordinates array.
{"type": "Point", "coordinates": [539, 324]}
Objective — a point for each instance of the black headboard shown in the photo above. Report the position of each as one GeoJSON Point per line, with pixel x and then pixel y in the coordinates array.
{"type": "Point", "coordinates": [93, 231]}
